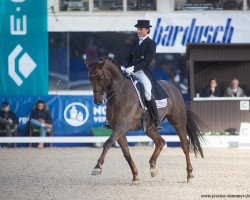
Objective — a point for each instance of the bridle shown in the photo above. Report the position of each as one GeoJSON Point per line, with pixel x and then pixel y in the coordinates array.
{"type": "Point", "coordinates": [106, 81]}
{"type": "Point", "coordinates": [104, 90]}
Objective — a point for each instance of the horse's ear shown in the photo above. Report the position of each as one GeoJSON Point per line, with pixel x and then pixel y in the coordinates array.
{"type": "Point", "coordinates": [87, 63]}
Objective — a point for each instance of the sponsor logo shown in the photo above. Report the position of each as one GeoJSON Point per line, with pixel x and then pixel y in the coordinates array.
{"type": "Point", "coordinates": [76, 114]}
{"type": "Point", "coordinates": [99, 114]}
{"type": "Point", "coordinates": [171, 34]}
{"type": "Point", "coordinates": [25, 65]}
{"type": "Point", "coordinates": [23, 120]}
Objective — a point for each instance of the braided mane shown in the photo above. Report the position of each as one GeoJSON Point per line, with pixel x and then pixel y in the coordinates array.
{"type": "Point", "coordinates": [110, 59]}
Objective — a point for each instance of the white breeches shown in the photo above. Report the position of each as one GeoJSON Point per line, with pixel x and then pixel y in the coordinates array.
{"type": "Point", "coordinates": [146, 83]}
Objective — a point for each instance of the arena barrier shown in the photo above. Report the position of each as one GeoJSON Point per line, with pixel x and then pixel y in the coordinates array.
{"type": "Point", "coordinates": [210, 141]}
{"type": "Point", "coordinates": [73, 115]}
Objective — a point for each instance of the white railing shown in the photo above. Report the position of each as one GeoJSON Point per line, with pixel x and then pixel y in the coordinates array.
{"type": "Point", "coordinates": [211, 141]}
{"type": "Point", "coordinates": [84, 139]}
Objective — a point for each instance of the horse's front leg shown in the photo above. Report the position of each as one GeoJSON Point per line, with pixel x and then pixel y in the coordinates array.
{"type": "Point", "coordinates": [124, 146]}
{"type": "Point", "coordinates": [109, 142]}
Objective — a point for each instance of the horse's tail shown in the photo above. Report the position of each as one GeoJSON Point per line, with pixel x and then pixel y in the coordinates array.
{"type": "Point", "coordinates": [194, 126]}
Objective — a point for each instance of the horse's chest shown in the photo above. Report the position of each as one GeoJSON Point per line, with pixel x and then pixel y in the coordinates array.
{"type": "Point", "coordinates": [113, 108]}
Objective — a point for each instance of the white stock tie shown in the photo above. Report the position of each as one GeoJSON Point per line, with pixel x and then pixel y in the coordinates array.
{"type": "Point", "coordinates": [140, 40]}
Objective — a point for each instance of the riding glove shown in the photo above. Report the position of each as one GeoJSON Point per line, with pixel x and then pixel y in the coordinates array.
{"type": "Point", "coordinates": [122, 68]}
{"type": "Point", "coordinates": [129, 70]}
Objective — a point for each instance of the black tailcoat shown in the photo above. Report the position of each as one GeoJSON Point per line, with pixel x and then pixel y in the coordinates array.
{"type": "Point", "coordinates": [140, 56]}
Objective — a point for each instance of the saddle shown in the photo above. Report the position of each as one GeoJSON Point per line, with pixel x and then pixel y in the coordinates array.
{"type": "Point", "coordinates": [157, 91]}
{"type": "Point", "coordinates": [161, 97]}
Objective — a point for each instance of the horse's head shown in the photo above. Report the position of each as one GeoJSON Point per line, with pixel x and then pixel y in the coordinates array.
{"type": "Point", "coordinates": [98, 79]}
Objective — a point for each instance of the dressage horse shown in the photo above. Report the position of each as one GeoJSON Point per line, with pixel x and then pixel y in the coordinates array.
{"type": "Point", "coordinates": [124, 112]}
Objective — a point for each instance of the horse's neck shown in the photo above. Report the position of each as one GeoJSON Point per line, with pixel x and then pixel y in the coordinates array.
{"type": "Point", "coordinates": [116, 84]}
{"type": "Point", "coordinates": [115, 75]}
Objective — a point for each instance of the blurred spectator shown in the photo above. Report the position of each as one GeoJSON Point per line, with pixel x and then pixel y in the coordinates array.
{"type": "Point", "coordinates": [211, 90]}
{"type": "Point", "coordinates": [41, 118]}
{"type": "Point", "coordinates": [248, 93]}
{"type": "Point", "coordinates": [234, 90]}
{"type": "Point", "coordinates": [231, 5]}
{"type": "Point", "coordinates": [8, 121]}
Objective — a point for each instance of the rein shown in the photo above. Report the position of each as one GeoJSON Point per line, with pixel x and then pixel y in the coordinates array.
{"type": "Point", "coordinates": [101, 90]}
{"type": "Point", "coordinates": [105, 89]}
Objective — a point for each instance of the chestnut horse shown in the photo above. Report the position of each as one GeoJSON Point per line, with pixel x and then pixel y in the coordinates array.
{"type": "Point", "coordinates": [124, 112]}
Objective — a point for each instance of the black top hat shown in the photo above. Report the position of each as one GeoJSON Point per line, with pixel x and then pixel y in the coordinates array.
{"type": "Point", "coordinates": [143, 24]}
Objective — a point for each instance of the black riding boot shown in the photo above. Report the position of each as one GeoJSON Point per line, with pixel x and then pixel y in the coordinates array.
{"type": "Point", "coordinates": [154, 112]}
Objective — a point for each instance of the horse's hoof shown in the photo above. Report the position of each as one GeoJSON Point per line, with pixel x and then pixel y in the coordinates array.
{"type": "Point", "coordinates": [96, 171]}
{"type": "Point", "coordinates": [136, 181]}
{"type": "Point", "coordinates": [154, 172]}
{"type": "Point", "coordinates": [189, 178]}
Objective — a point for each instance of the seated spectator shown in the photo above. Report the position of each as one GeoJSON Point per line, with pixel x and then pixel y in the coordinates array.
{"type": "Point", "coordinates": [41, 118]}
{"type": "Point", "coordinates": [211, 90]}
{"type": "Point", "coordinates": [248, 93]}
{"type": "Point", "coordinates": [8, 120]}
{"type": "Point", "coordinates": [234, 90]}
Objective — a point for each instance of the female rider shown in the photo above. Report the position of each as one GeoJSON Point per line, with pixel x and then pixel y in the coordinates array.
{"type": "Point", "coordinates": [140, 56]}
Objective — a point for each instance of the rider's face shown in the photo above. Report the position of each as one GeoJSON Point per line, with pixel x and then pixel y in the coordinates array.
{"type": "Point", "coordinates": [142, 32]}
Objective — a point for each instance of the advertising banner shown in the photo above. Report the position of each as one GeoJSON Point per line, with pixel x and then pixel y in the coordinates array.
{"type": "Point", "coordinates": [173, 31]}
{"type": "Point", "coordinates": [72, 115]}
{"type": "Point", "coordinates": [23, 47]}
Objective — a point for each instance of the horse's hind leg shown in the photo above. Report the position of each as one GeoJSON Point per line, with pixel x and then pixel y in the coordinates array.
{"type": "Point", "coordinates": [106, 146]}
{"type": "Point", "coordinates": [180, 125]}
{"type": "Point", "coordinates": [159, 144]}
{"type": "Point", "coordinates": [124, 146]}
{"type": "Point", "coordinates": [185, 148]}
